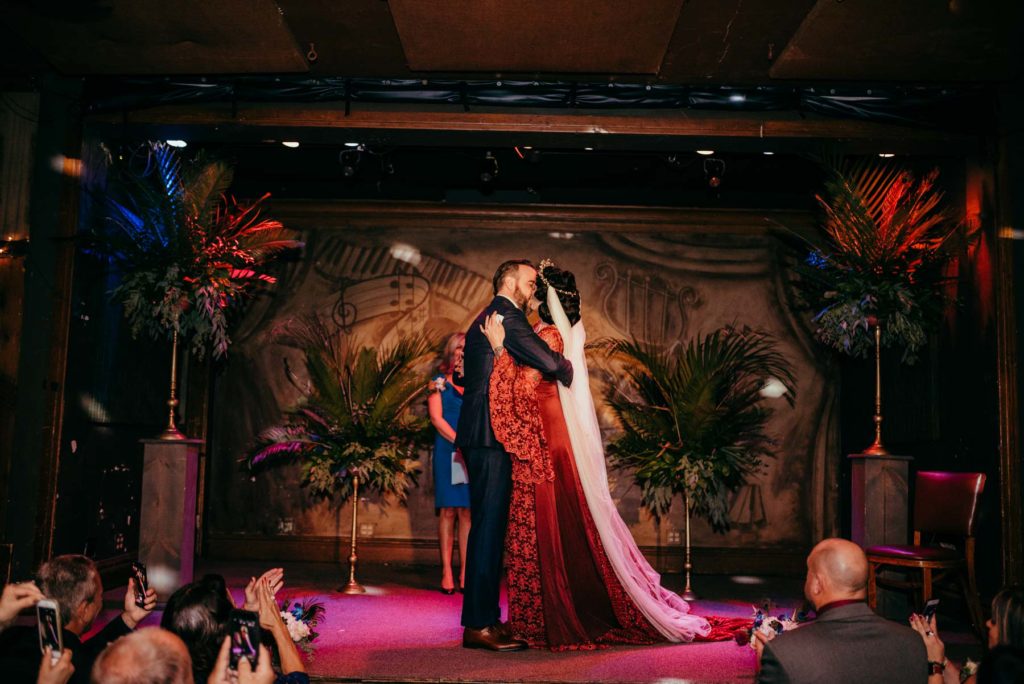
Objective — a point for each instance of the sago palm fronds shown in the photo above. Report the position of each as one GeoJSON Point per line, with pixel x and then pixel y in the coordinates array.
{"type": "Point", "coordinates": [354, 420]}
{"type": "Point", "coordinates": [693, 419]}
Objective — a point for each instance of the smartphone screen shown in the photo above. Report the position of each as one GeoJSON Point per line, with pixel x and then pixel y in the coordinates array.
{"type": "Point", "coordinates": [930, 608]}
{"type": "Point", "coordinates": [48, 617]}
{"type": "Point", "coordinates": [244, 628]}
{"type": "Point", "coordinates": [141, 583]}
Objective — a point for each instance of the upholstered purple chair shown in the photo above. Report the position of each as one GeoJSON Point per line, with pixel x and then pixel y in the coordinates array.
{"type": "Point", "coordinates": [945, 506]}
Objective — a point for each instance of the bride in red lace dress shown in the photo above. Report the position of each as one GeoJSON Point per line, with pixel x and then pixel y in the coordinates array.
{"type": "Point", "coordinates": [564, 589]}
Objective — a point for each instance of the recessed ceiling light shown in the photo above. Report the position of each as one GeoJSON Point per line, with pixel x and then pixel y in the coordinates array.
{"type": "Point", "coordinates": [706, 153]}
{"type": "Point", "coordinates": [177, 143]}
{"type": "Point", "coordinates": [588, 149]}
{"type": "Point", "coordinates": [886, 155]}
{"type": "Point", "coordinates": [737, 97]}
{"type": "Point", "coordinates": [527, 147]}
{"type": "Point", "coordinates": [290, 143]}
{"type": "Point", "coordinates": [769, 152]}
{"type": "Point", "coordinates": [351, 144]}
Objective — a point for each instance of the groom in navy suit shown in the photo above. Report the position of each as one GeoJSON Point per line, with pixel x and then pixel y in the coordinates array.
{"type": "Point", "coordinates": [489, 465]}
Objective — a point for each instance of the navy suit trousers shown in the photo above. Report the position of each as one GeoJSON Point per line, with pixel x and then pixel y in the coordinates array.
{"type": "Point", "coordinates": [490, 477]}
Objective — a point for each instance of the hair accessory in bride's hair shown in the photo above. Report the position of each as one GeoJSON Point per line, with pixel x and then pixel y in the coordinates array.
{"type": "Point", "coordinates": [546, 264]}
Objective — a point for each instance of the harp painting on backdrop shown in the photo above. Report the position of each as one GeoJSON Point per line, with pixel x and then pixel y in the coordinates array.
{"type": "Point", "coordinates": [645, 308]}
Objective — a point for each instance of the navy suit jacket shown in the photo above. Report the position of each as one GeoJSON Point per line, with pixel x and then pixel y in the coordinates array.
{"type": "Point", "coordinates": [474, 429]}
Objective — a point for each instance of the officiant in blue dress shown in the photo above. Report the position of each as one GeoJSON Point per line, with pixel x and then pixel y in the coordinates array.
{"type": "Point", "coordinates": [451, 483]}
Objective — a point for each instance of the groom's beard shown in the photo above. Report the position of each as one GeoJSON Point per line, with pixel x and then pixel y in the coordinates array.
{"type": "Point", "coordinates": [522, 299]}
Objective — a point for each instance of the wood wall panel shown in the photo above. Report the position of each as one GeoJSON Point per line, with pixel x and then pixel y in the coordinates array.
{"type": "Point", "coordinates": [574, 36]}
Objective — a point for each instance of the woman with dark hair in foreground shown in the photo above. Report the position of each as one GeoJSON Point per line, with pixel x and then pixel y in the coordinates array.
{"type": "Point", "coordinates": [1005, 641]}
{"type": "Point", "coordinates": [199, 613]}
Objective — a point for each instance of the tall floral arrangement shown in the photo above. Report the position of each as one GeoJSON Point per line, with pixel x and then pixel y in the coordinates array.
{"type": "Point", "coordinates": [186, 249]}
{"type": "Point", "coordinates": [881, 262]}
{"type": "Point", "coordinates": [354, 420]}
{"type": "Point", "coordinates": [693, 420]}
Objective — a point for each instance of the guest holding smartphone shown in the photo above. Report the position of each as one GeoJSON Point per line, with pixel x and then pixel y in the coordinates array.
{"type": "Point", "coordinates": [451, 481]}
{"type": "Point", "coordinates": [1005, 641]}
{"type": "Point", "coordinates": [73, 583]}
{"type": "Point", "coordinates": [17, 597]}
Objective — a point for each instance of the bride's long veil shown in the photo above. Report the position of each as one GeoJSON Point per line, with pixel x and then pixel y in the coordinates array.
{"type": "Point", "coordinates": [666, 611]}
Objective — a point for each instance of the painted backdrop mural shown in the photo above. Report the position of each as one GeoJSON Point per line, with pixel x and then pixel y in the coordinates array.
{"type": "Point", "coordinates": [380, 284]}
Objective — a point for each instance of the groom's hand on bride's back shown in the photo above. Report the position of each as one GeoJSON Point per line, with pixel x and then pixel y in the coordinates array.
{"type": "Point", "coordinates": [564, 374]}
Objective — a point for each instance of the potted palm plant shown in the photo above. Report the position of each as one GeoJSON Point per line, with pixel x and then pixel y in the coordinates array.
{"type": "Point", "coordinates": [186, 251]}
{"type": "Point", "coordinates": [353, 426]}
{"type": "Point", "coordinates": [693, 421]}
{"type": "Point", "coordinates": [876, 281]}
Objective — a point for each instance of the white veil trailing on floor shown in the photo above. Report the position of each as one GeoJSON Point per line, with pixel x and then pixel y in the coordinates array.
{"type": "Point", "coordinates": [666, 611]}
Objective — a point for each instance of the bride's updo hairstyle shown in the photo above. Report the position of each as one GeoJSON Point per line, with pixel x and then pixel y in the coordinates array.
{"type": "Point", "coordinates": [564, 284]}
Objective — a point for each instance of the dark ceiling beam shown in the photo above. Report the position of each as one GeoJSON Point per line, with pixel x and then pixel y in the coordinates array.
{"type": "Point", "coordinates": [346, 215]}
{"type": "Point", "coordinates": [405, 125]}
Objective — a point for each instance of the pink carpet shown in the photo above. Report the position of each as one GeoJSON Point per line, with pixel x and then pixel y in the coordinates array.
{"type": "Point", "coordinates": [405, 630]}
{"type": "Point", "coordinates": [399, 633]}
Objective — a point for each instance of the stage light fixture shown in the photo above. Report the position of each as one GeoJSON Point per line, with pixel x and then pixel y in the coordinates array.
{"type": "Point", "coordinates": [177, 143]}
{"type": "Point", "coordinates": [488, 168]}
{"type": "Point", "coordinates": [290, 143]}
{"type": "Point", "coordinates": [714, 172]}
{"type": "Point", "coordinates": [705, 153]}
{"type": "Point", "coordinates": [350, 160]}
{"type": "Point", "coordinates": [768, 153]}
{"type": "Point", "coordinates": [886, 155]}
{"type": "Point", "coordinates": [352, 144]}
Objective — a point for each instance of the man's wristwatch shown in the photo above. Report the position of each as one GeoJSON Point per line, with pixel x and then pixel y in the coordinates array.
{"type": "Point", "coordinates": [936, 668]}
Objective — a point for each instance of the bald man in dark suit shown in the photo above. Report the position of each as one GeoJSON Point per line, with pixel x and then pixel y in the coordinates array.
{"type": "Point", "coordinates": [847, 642]}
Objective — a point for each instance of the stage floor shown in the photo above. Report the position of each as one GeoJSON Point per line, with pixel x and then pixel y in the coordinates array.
{"type": "Point", "coordinates": [405, 630]}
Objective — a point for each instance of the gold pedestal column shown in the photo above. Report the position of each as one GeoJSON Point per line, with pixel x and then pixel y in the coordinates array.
{"type": "Point", "coordinates": [354, 587]}
{"type": "Point", "coordinates": [877, 448]}
{"type": "Point", "coordinates": [688, 593]}
{"type": "Point", "coordinates": [171, 432]}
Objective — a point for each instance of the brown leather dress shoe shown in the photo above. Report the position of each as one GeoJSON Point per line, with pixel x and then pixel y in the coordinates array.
{"type": "Point", "coordinates": [492, 639]}
{"type": "Point", "coordinates": [505, 630]}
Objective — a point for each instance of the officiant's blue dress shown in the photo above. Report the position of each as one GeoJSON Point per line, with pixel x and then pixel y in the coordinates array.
{"type": "Point", "coordinates": [447, 495]}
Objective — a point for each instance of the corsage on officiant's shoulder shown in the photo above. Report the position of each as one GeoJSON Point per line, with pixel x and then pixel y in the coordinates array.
{"type": "Point", "coordinates": [438, 384]}
{"type": "Point", "coordinates": [766, 623]}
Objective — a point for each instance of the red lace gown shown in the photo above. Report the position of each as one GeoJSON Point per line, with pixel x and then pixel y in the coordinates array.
{"type": "Point", "coordinates": [563, 593]}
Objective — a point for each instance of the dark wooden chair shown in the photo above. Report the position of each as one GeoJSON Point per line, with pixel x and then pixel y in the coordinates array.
{"type": "Point", "coordinates": [945, 508]}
